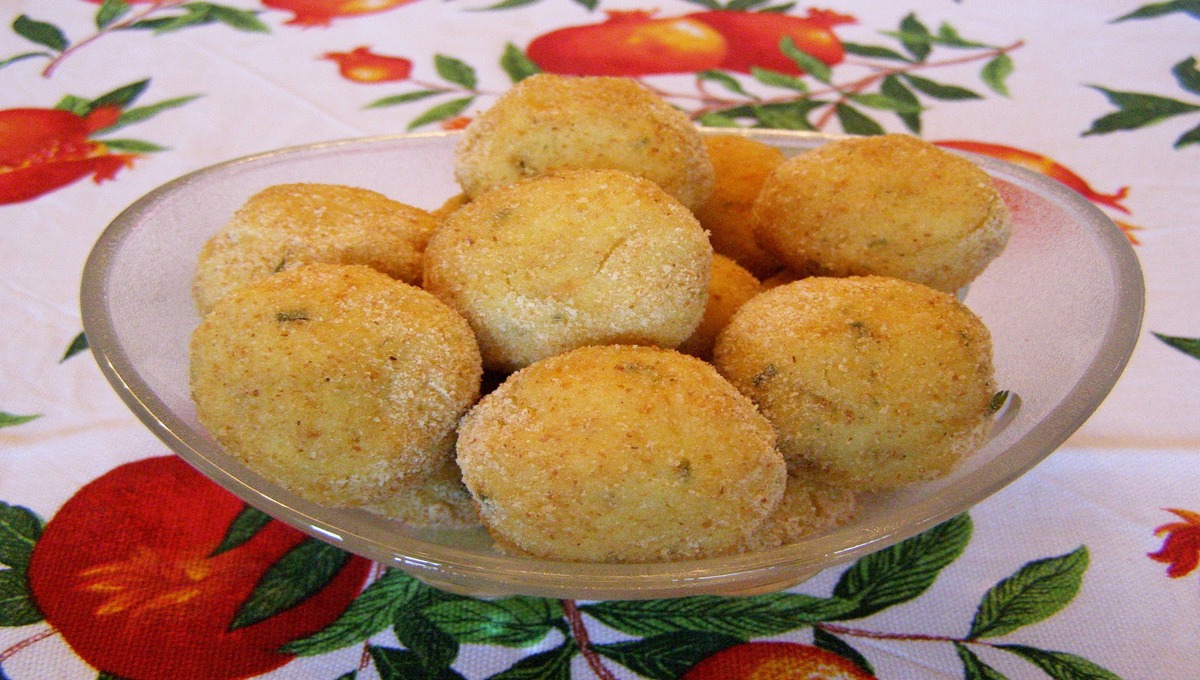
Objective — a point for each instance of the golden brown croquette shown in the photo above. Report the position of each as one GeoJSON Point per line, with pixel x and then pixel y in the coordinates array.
{"type": "Point", "coordinates": [568, 259]}
{"type": "Point", "coordinates": [287, 225]}
{"type": "Point", "coordinates": [891, 205]}
{"type": "Point", "coordinates": [335, 381]}
{"type": "Point", "coordinates": [549, 122]}
{"type": "Point", "coordinates": [620, 453]}
{"type": "Point", "coordinates": [740, 167]}
{"type": "Point", "coordinates": [875, 381]}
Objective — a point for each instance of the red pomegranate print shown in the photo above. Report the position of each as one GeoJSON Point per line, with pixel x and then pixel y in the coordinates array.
{"type": "Point", "coordinates": [776, 661]}
{"type": "Point", "coordinates": [364, 66]}
{"type": "Point", "coordinates": [309, 13]}
{"type": "Point", "coordinates": [629, 43]}
{"type": "Point", "coordinates": [125, 572]}
{"type": "Point", "coordinates": [757, 36]}
{"type": "Point", "coordinates": [44, 149]}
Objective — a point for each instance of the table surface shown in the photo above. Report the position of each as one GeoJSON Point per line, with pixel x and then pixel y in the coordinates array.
{"type": "Point", "coordinates": [1084, 568]}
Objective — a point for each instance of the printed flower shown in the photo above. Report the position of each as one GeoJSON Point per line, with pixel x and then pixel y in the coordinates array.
{"type": "Point", "coordinates": [44, 149]}
{"type": "Point", "coordinates": [1181, 549]}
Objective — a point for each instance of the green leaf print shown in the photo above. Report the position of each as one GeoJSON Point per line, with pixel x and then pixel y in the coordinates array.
{"type": "Point", "coordinates": [1060, 665]}
{"type": "Point", "coordinates": [554, 664]}
{"type": "Point", "coordinates": [40, 32]}
{"type": "Point", "coordinates": [747, 617]}
{"type": "Point", "coordinates": [244, 527]}
{"type": "Point", "coordinates": [11, 419]}
{"type": "Point", "coordinates": [455, 71]}
{"type": "Point", "coordinates": [1189, 346]}
{"type": "Point", "coordinates": [16, 606]}
{"type": "Point", "coordinates": [810, 64]}
{"type": "Point", "coordinates": [516, 64]}
{"type": "Point", "coordinates": [441, 112]}
{"type": "Point", "coordinates": [78, 344]}
{"type": "Point", "coordinates": [973, 667]}
{"type": "Point", "coordinates": [301, 572]}
{"type": "Point", "coordinates": [996, 72]}
{"type": "Point", "coordinates": [110, 11]}
{"type": "Point", "coordinates": [516, 621]}
{"type": "Point", "coordinates": [434, 649]}
{"type": "Point", "coordinates": [903, 571]}
{"type": "Point", "coordinates": [20, 529]}
{"type": "Point", "coordinates": [371, 612]}
{"type": "Point", "coordinates": [1036, 592]}
{"type": "Point", "coordinates": [1158, 9]}
{"type": "Point", "coordinates": [1136, 110]}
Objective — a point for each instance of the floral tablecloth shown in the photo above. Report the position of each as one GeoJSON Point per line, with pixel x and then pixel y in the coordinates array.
{"type": "Point", "coordinates": [111, 556]}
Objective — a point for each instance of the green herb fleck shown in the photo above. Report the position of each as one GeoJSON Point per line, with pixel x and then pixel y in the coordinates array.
{"type": "Point", "coordinates": [291, 315]}
{"type": "Point", "coordinates": [998, 400]}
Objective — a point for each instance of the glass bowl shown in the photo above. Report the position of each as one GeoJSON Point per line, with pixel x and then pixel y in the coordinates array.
{"type": "Point", "coordinates": [1063, 303]}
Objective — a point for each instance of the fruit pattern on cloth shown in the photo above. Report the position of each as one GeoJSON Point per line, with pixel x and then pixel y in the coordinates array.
{"type": "Point", "coordinates": [141, 567]}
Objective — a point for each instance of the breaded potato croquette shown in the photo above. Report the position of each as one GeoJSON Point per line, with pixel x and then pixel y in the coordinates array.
{"type": "Point", "coordinates": [579, 257]}
{"type": "Point", "coordinates": [451, 204]}
{"type": "Point", "coordinates": [889, 205]}
{"type": "Point", "coordinates": [809, 506]}
{"type": "Point", "coordinates": [729, 287]}
{"type": "Point", "coordinates": [334, 381]}
{"type": "Point", "coordinates": [619, 453]}
{"type": "Point", "coordinates": [548, 122]}
{"type": "Point", "coordinates": [740, 167]}
{"type": "Point", "coordinates": [875, 381]}
{"type": "Point", "coordinates": [439, 501]}
{"type": "Point", "coordinates": [287, 225]}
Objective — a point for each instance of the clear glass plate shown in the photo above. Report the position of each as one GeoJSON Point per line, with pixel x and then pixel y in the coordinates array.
{"type": "Point", "coordinates": [1063, 302]}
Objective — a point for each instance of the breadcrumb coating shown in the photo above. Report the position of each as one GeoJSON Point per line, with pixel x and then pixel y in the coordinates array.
{"type": "Point", "coordinates": [620, 454]}
{"type": "Point", "coordinates": [335, 381]}
{"type": "Point", "coordinates": [549, 122]}
{"type": "Point", "coordinates": [889, 205]}
{"type": "Point", "coordinates": [287, 225]}
{"type": "Point", "coordinates": [875, 381]}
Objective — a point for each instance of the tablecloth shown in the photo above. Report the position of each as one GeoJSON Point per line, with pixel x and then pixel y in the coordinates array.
{"type": "Point", "coordinates": [1084, 568]}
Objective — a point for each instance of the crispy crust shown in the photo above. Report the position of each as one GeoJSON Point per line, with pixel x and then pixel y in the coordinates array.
{"type": "Point", "coordinates": [891, 205]}
{"type": "Point", "coordinates": [740, 166]}
{"type": "Point", "coordinates": [729, 288]}
{"type": "Point", "coordinates": [287, 225]}
{"type": "Point", "coordinates": [549, 122]}
{"type": "Point", "coordinates": [877, 382]}
{"type": "Point", "coordinates": [335, 381]}
{"type": "Point", "coordinates": [620, 454]}
{"type": "Point", "coordinates": [568, 259]}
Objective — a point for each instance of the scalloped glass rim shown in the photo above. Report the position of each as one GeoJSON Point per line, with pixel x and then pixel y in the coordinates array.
{"type": "Point", "coordinates": [136, 314]}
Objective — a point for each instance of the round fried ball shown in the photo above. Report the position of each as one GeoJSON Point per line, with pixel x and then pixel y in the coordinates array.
{"type": "Point", "coordinates": [439, 501]}
{"type": "Point", "coordinates": [335, 381]}
{"type": "Point", "coordinates": [448, 207]}
{"type": "Point", "coordinates": [619, 453]}
{"type": "Point", "coordinates": [891, 205]}
{"type": "Point", "coordinates": [741, 166]}
{"type": "Point", "coordinates": [287, 225]}
{"type": "Point", "coordinates": [580, 257]}
{"type": "Point", "coordinates": [876, 381]}
{"type": "Point", "coordinates": [729, 287]}
{"type": "Point", "coordinates": [809, 506]}
{"type": "Point", "coordinates": [549, 122]}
